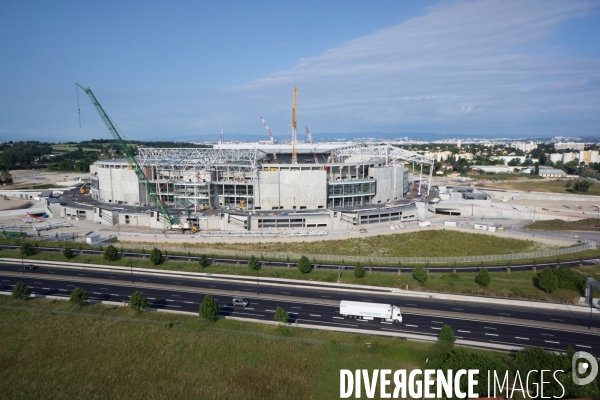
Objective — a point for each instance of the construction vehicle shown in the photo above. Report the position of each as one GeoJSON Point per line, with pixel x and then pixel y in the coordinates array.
{"type": "Point", "coordinates": [171, 223]}
{"type": "Point", "coordinates": [195, 228]}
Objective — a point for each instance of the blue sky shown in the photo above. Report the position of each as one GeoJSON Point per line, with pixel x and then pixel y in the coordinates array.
{"type": "Point", "coordinates": [180, 71]}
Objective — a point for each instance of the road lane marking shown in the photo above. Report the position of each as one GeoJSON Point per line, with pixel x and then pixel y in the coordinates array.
{"type": "Point", "coordinates": [546, 334]}
{"type": "Point", "coordinates": [338, 317]}
{"type": "Point", "coordinates": [550, 341]}
{"type": "Point", "coordinates": [580, 345]}
{"type": "Point", "coordinates": [45, 288]}
{"type": "Point", "coordinates": [491, 334]}
{"type": "Point", "coordinates": [39, 283]}
{"type": "Point", "coordinates": [488, 327]}
{"type": "Point", "coordinates": [248, 308]}
{"type": "Point", "coordinates": [325, 322]}
{"type": "Point", "coordinates": [414, 326]}
{"type": "Point", "coordinates": [314, 315]}
{"type": "Point", "coordinates": [151, 298]}
{"type": "Point", "coordinates": [189, 302]}
{"type": "Point", "coordinates": [437, 322]}
{"type": "Point", "coordinates": [274, 311]}
{"type": "Point", "coordinates": [241, 313]}
{"type": "Point", "coordinates": [169, 300]}
{"type": "Point", "coordinates": [297, 308]}
{"type": "Point", "coordinates": [398, 330]}
{"type": "Point", "coordinates": [437, 329]}
{"type": "Point", "coordinates": [463, 331]}
{"type": "Point", "coordinates": [96, 293]}
{"type": "Point", "coordinates": [388, 323]}
{"type": "Point", "coordinates": [522, 338]}
{"type": "Point", "coordinates": [173, 306]}
{"type": "Point", "coordinates": [112, 294]}
{"type": "Point", "coordinates": [63, 290]}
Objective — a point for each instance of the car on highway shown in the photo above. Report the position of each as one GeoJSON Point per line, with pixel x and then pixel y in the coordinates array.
{"type": "Point", "coordinates": [240, 301]}
{"type": "Point", "coordinates": [29, 266]}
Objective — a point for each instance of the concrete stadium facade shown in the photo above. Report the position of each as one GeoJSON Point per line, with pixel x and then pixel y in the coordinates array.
{"type": "Point", "coordinates": [246, 178]}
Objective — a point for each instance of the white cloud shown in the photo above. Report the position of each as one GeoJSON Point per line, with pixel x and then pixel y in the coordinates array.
{"type": "Point", "coordinates": [460, 64]}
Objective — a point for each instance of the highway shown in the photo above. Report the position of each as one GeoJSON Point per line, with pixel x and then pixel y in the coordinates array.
{"type": "Point", "coordinates": [470, 321]}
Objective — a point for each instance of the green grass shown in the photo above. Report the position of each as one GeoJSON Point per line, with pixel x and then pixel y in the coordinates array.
{"type": "Point", "coordinates": [430, 243]}
{"type": "Point", "coordinates": [63, 148]}
{"type": "Point", "coordinates": [587, 224]}
{"type": "Point", "coordinates": [547, 186]}
{"type": "Point", "coordinates": [92, 353]}
{"type": "Point", "coordinates": [514, 285]}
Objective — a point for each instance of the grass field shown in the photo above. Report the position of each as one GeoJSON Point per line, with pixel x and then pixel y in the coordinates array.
{"type": "Point", "coordinates": [63, 148]}
{"type": "Point", "coordinates": [104, 352]}
{"type": "Point", "coordinates": [545, 186]}
{"type": "Point", "coordinates": [514, 285]}
{"type": "Point", "coordinates": [588, 224]}
{"type": "Point", "coordinates": [433, 243]}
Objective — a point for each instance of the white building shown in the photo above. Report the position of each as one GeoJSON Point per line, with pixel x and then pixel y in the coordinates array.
{"type": "Point", "coordinates": [525, 147]}
{"type": "Point", "coordinates": [569, 145]}
{"type": "Point", "coordinates": [590, 156]}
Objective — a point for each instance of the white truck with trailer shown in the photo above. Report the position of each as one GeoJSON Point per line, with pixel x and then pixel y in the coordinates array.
{"type": "Point", "coordinates": [370, 311]}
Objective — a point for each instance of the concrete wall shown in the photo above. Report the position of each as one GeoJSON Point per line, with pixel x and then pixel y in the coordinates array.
{"type": "Point", "coordinates": [508, 194]}
{"type": "Point", "coordinates": [392, 183]}
{"type": "Point", "coordinates": [291, 188]}
{"type": "Point", "coordinates": [135, 219]}
{"type": "Point", "coordinates": [119, 186]}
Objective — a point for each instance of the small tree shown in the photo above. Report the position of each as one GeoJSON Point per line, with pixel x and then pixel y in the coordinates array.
{"type": "Point", "coordinates": [203, 261]}
{"type": "Point", "coordinates": [483, 278]}
{"type": "Point", "coordinates": [111, 253]}
{"type": "Point", "coordinates": [447, 335]}
{"type": "Point", "coordinates": [582, 185]}
{"type": "Point", "coordinates": [156, 256]}
{"type": "Point", "coordinates": [20, 291]}
{"type": "Point", "coordinates": [253, 263]}
{"type": "Point", "coordinates": [547, 280]}
{"type": "Point", "coordinates": [209, 308]}
{"type": "Point", "coordinates": [68, 253]}
{"type": "Point", "coordinates": [304, 265]}
{"type": "Point", "coordinates": [420, 274]}
{"type": "Point", "coordinates": [27, 249]}
{"type": "Point", "coordinates": [359, 271]}
{"type": "Point", "coordinates": [138, 301]}
{"type": "Point", "coordinates": [79, 297]}
{"type": "Point", "coordinates": [281, 315]}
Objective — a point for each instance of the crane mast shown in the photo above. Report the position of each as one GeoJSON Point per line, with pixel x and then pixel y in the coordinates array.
{"type": "Point", "coordinates": [221, 137]}
{"type": "Point", "coordinates": [272, 140]}
{"type": "Point", "coordinates": [294, 141]}
{"type": "Point", "coordinates": [131, 159]}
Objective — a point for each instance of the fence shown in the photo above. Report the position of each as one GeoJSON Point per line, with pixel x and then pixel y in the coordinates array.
{"type": "Point", "coordinates": [379, 260]}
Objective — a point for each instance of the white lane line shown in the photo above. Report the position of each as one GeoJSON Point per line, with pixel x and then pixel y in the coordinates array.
{"type": "Point", "coordinates": [189, 302]}
{"type": "Point", "coordinates": [463, 331]}
{"type": "Point", "coordinates": [437, 329]}
{"type": "Point", "coordinates": [555, 319]}
{"type": "Point", "coordinates": [550, 341]}
{"type": "Point", "coordinates": [387, 323]}
{"type": "Point", "coordinates": [399, 330]}
{"type": "Point", "coordinates": [314, 315]}
{"type": "Point", "coordinates": [169, 300]}
{"type": "Point", "coordinates": [546, 334]}
{"type": "Point", "coordinates": [580, 345]}
{"type": "Point", "coordinates": [256, 315]}
{"type": "Point", "coordinates": [151, 298]}
{"type": "Point", "coordinates": [491, 334]}
{"type": "Point", "coordinates": [173, 306]}
{"type": "Point", "coordinates": [274, 311]}
{"type": "Point", "coordinates": [96, 293]}
{"type": "Point", "coordinates": [63, 290]}
{"type": "Point", "coordinates": [5, 280]}
{"type": "Point", "coordinates": [488, 327]}
{"type": "Point", "coordinates": [103, 288]}
{"type": "Point", "coordinates": [248, 308]}
{"type": "Point", "coordinates": [338, 317]}
{"type": "Point", "coordinates": [522, 338]}
{"type": "Point", "coordinates": [299, 308]}
{"type": "Point", "coordinates": [112, 294]}
{"type": "Point", "coordinates": [458, 309]}
{"type": "Point", "coordinates": [414, 326]}
{"type": "Point", "coordinates": [503, 313]}
{"type": "Point", "coordinates": [45, 288]}
{"type": "Point", "coordinates": [414, 305]}
{"type": "Point", "coordinates": [324, 322]}
{"type": "Point", "coordinates": [437, 322]}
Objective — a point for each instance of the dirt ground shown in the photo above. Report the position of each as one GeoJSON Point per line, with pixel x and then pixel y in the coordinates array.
{"type": "Point", "coordinates": [28, 177]}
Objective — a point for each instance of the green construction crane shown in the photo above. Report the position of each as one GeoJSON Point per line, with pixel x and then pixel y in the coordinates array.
{"type": "Point", "coordinates": [131, 159]}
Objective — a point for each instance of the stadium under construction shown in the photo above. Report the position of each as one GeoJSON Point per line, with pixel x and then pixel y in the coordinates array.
{"type": "Point", "coordinates": [240, 180]}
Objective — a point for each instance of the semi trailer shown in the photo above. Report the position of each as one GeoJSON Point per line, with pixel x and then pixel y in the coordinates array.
{"type": "Point", "coordinates": [370, 311]}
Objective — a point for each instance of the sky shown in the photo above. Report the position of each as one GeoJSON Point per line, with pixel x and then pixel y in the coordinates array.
{"type": "Point", "coordinates": [182, 70]}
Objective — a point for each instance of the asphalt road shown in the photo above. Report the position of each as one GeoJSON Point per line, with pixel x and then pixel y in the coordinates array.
{"type": "Point", "coordinates": [323, 315]}
{"type": "Point", "coordinates": [320, 292]}
{"type": "Point", "coordinates": [186, 295]}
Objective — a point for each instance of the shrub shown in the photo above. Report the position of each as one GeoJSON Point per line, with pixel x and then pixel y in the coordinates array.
{"type": "Point", "coordinates": [483, 278]}
{"type": "Point", "coordinates": [253, 263]}
{"type": "Point", "coordinates": [447, 334]}
{"type": "Point", "coordinates": [281, 315]}
{"type": "Point", "coordinates": [304, 265]}
{"type": "Point", "coordinates": [138, 301]}
{"type": "Point", "coordinates": [209, 308]}
{"type": "Point", "coordinates": [203, 261]}
{"type": "Point", "coordinates": [156, 256]}
{"type": "Point", "coordinates": [582, 185]}
{"type": "Point", "coordinates": [568, 278]}
{"type": "Point", "coordinates": [111, 253]}
{"type": "Point", "coordinates": [359, 271]}
{"type": "Point", "coordinates": [547, 280]}
{"type": "Point", "coordinates": [333, 344]}
{"type": "Point", "coordinates": [20, 291]}
{"type": "Point", "coordinates": [79, 297]}
{"type": "Point", "coordinates": [27, 249]}
{"type": "Point", "coordinates": [68, 253]}
{"type": "Point", "coordinates": [420, 274]}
